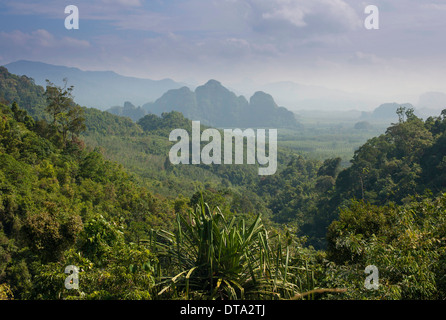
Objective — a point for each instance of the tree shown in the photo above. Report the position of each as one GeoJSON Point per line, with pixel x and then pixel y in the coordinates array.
{"type": "Point", "coordinates": [21, 115]}
{"type": "Point", "coordinates": [330, 168]}
{"type": "Point", "coordinates": [59, 99]}
{"type": "Point", "coordinates": [76, 121]}
{"type": "Point", "coordinates": [405, 242]}
{"type": "Point", "coordinates": [68, 117]}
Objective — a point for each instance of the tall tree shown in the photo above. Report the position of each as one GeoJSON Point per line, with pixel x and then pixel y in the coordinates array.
{"type": "Point", "coordinates": [59, 99]}
{"type": "Point", "coordinates": [68, 117]}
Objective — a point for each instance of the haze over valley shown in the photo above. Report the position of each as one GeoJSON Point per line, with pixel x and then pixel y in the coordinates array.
{"type": "Point", "coordinates": [107, 90]}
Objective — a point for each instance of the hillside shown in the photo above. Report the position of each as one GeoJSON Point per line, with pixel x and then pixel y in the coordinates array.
{"type": "Point", "coordinates": [56, 202]}
{"type": "Point", "coordinates": [386, 112]}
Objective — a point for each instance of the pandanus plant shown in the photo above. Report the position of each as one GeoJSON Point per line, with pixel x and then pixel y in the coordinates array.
{"type": "Point", "coordinates": [210, 257]}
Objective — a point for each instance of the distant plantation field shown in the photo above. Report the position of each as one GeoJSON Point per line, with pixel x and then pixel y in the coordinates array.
{"type": "Point", "coordinates": [321, 139]}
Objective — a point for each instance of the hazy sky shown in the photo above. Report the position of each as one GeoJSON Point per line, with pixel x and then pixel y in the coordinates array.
{"type": "Point", "coordinates": [320, 42]}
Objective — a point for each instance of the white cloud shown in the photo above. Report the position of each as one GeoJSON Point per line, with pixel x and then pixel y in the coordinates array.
{"type": "Point", "coordinates": [295, 15]}
{"type": "Point", "coordinates": [305, 17]}
{"type": "Point", "coordinates": [72, 42]}
{"type": "Point", "coordinates": [39, 38]}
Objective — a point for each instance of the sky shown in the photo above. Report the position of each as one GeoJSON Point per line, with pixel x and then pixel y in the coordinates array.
{"type": "Point", "coordinates": [312, 42]}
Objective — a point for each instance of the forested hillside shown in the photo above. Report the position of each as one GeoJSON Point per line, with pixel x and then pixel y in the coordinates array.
{"type": "Point", "coordinates": [86, 188]}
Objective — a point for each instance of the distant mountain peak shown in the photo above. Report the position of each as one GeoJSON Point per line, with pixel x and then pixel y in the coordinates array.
{"type": "Point", "coordinates": [129, 105]}
{"type": "Point", "coordinates": [262, 95]}
{"type": "Point", "coordinates": [213, 82]}
{"type": "Point", "coordinates": [263, 99]}
{"type": "Point", "coordinates": [184, 89]}
{"type": "Point", "coordinates": [212, 85]}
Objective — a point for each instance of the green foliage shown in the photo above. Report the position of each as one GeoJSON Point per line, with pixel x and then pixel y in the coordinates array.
{"type": "Point", "coordinates": [406, 243]}
{"type": "Point", "coordinates": [330, 168]}
{"type": "Point", "coordinates": [23, 91]}
{"type": "Point", "coordinates": [5, 292]}
{"type": "Point", "coordinates": [140, 228]}
{"type": "Point", "coordinates": [127, 275]}
{"type": "Point", "coordinates": [165, 124]}
{"type": "Point", "coordinates": [209, 257]}
{"type": "Point", "coordinates": [55, 202]}
{"type": "Point", "coordinates": [104, 123]}
{"type": "Point", "coordinates": [67, 117]}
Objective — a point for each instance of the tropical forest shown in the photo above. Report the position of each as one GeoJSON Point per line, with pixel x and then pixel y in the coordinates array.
{"type": "Point", "coordinates": [94, 192]}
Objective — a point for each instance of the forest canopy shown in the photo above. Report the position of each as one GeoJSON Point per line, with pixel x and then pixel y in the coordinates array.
{"type": "Point", "coordinates": [86, 188]}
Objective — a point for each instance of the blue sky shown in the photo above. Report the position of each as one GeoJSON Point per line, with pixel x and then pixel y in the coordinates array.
{"type": "Point", "coordinates": [318, 42]}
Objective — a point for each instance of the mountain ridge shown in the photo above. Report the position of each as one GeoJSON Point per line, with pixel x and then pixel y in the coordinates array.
{"type": "Point", "coordinates": [215, 105]}
{"type": "Point", "coordinates": [212, 103]}
{"type": "Point", "coordinates": [98, 89]}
